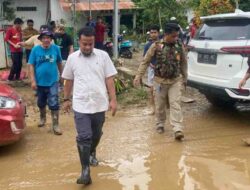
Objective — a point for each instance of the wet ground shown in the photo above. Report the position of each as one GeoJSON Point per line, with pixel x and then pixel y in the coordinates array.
{"type": "Point", "coordinates": [132, 155]}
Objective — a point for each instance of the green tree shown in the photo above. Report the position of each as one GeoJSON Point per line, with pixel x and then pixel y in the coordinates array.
{"type": "Point", "coordinates": [159, 12]}
{"type": "Point", "coordinates": [244, 5]}
{"type": "Point", "coordinates": [8, 12]}
{"type": "Point", "coordinates": [211, 7]}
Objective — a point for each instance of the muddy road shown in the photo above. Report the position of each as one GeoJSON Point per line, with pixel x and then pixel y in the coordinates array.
{"type": "Point", "coordinates": [132, 155]}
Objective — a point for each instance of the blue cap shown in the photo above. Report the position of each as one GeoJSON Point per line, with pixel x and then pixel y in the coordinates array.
{"type": "Point", "coordinates": [45, 32]}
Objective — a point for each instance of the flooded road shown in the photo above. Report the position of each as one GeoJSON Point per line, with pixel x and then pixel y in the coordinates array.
{"type": "Point", "coordinates": [133, 156]}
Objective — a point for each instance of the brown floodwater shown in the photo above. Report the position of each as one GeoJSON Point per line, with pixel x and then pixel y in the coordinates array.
{"type": "Point", "coordinates": [133, 156]}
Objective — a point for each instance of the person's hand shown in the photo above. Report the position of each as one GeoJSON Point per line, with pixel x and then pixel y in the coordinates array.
{"type": "Point", "coordinates": [113, 107]}
{"type": "Point", "coordinates": [33, 85]}
{"type": "Point", "coordinates": [137, 81]}
{"type": "Point", "coordinates": [17, 46]}
{"type": "Point", "coordinates": [67, 106]}
{"type": "Point", "coordinates": [21, 44]}
{"type": "Point", "coordinates": [242, 83]}
{"type": "Point", "coordinates": [61, 81]}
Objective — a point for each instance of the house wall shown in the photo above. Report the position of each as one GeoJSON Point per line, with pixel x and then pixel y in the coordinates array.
{"type": "Point", "coordinates": [39, 16]}
{"type": "Point", "coordinates": [57, 13]}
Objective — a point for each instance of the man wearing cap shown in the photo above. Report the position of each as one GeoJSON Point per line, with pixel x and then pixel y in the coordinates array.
{"type": "Point", "coordinates": [44, 62]}
{"type": "Point", "coordinates": [34, 41]}
{"type": "Point", "coordinates": [170, 75]}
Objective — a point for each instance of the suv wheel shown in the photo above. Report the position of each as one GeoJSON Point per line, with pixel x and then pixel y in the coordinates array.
{"type": "Point", "coordinates": [220, 102]}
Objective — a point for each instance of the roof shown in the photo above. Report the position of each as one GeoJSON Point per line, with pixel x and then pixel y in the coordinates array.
{"type": "Point", "coordinates": [237, 14]}
{"type": "Point", "coordinates": [98, 5]}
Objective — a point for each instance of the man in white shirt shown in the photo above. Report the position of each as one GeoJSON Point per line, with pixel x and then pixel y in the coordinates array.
{"type": "Point", "coordinates": [89, 72]}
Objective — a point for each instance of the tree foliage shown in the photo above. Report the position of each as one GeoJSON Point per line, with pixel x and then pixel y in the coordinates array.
{"type": "Point", "coordinates": [244, 5]}
{"type": "Point", "coordinates": [159, 12]}
{"type": "Point", "coordinates": [211, 7]}
{"type": "Point", "coordinates": [8, 12]}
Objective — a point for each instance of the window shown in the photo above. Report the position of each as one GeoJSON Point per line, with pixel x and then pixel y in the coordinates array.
{"type": "Point", "coordinates": [225, 29]}
{"type": "Point", "coordinates": [26, 8]}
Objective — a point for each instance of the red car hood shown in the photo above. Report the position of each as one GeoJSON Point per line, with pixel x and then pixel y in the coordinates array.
{"type": "Point", "coordinates": [7, 91]}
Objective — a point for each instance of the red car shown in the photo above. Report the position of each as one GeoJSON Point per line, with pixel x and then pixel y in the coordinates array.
{"type": "Point", "coordinates": [12, 115]}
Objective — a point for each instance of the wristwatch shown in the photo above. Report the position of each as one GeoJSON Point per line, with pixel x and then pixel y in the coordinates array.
{"type": "Point", "coordinates": [66, 99]}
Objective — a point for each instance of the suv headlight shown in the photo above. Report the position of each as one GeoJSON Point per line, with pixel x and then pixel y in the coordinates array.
{"type": "Point", "coordinates": [6, 102]}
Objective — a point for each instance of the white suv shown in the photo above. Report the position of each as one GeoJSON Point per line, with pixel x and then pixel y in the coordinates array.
{"type": "Point", "coordinates": [217, 57]}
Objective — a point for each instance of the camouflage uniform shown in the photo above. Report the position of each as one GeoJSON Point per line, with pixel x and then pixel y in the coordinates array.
{"type": "Point", "coordinates": [170, 73]}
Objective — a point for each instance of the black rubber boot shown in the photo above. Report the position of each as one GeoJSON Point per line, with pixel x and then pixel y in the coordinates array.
{"type": "Point", "coordinates": [84, 153]}
{"type": "Point", "coordinates": [42, 117]}
{"type": "Point", "coordinates": [55, 122]}
{"type": "Point", "coordinates": [92, 159]}
{"type": "Point", "coordinates": [179, 135]}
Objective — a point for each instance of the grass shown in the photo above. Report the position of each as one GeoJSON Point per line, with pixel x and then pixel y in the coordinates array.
{"type": "Point", "coordinates": [132, 96]}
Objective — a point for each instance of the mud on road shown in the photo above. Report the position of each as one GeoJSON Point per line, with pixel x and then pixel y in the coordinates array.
{"type": "Point", "coordinates": [132, 155]}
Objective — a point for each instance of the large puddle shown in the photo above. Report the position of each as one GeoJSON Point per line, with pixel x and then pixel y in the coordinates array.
{"type": "Point", "coordinates": [133, 156]}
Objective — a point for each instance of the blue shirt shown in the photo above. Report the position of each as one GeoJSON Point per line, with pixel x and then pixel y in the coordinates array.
{"type": "Point", "coordinates": [146, 48]}
{"type": "Point", "coordinates": [45, 64]}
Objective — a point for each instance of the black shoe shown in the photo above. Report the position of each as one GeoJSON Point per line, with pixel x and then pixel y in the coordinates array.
{"type": "Point", "coordinates": [160, 130]}
{"type": "Point", "coordinates": [85, 177]}
{"type": "Point", "coordinates": [93, 160]}
{"type": "Point", "coordinates": [178, 135]}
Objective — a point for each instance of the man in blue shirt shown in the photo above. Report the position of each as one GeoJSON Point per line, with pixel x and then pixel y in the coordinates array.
{"type": "Point", "coordinates": [44, 63]}
{"type": "Point", "coordinates": [154, 36]}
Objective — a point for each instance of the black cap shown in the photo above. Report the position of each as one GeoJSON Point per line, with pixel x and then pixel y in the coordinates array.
{"type": "Point", "coordinates": [170, 27]}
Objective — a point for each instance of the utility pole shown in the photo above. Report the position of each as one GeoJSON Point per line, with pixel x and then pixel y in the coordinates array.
{"type": "Point", "coordinates": [90, 12]}
{"type": "Point", "coordinates": [74, 12]}
{"type": "Point", "coordinates": [237, 4]}
{"type": "Point", "coordinates": [115, 30]}
{"type": "Point", "coordinates": [74, 20]}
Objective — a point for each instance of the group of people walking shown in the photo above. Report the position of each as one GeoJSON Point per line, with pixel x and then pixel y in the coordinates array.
{"type": "Point", "coordinates": [88, 77]}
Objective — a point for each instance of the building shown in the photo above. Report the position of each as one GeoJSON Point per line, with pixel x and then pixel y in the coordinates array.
{"type": "Point", "coordinates": [42, 11]}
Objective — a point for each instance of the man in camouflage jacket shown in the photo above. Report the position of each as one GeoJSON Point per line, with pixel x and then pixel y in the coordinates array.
{"type": "Point", "coordinates": [170, 75]}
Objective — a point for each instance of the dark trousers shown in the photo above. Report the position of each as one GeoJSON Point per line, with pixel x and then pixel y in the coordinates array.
{"type": "Point", "coordinates": [16, 68]}
{"type": "Point", "coordinates": [89, 128]}
{"type": "Point", "coordinates": [27, 52]}
{"type": "Point", "coordinates": [48, 95]}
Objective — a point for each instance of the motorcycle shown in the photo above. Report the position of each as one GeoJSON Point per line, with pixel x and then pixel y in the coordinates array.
{"type": "Point", "coordinates": [108, 47]}
{"type": "Point", "coordinates": [124, 48]}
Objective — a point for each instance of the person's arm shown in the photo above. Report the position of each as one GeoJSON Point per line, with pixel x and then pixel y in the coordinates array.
{"type": "Point", "coordinates": [71, 49]}
{"type": "Point", "coordinates": [59, 61]}
{"type": "Point", "coordinates": [68, 77]}
{"type": "Point", "coordinates": [184, 66]}
{"type": "Point", "coordinates": [246, 77]}
{"type": "Point", "coordinates": [71, 45]}
{"type": "Point", "coordinates": [112, 94]}
{"type": "Point", "coordinates": [31, 66]}
{"type": "Point", "coordinates": [7, 39]}
{"type": "Point", "coordinates": [68, 86]}
{"type": "Point", "coordinates": [244, 80]}
{"type": "Point", "coordinates": [59, 65]}
{"type": "Point", "coordinates": [144, 64]}
{"type": "Point", "coordinates": [32, 76]}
